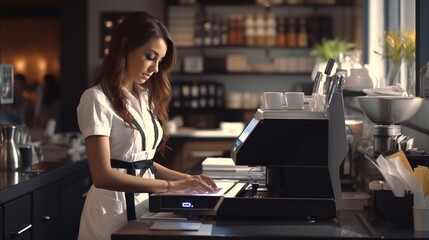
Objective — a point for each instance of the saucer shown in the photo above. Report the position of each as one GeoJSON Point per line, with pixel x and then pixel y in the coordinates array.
{"type": "Point", "coordinates": [264, 108]}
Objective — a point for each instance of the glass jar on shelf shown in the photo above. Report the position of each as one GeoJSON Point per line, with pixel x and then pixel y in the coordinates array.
{"type": "Point", "coordinates": [291, 33]}
{"type": "Point", "coordinates": [270, 31]}
{"type": "Point", "coordinates": [302, 33]}
{"type": "Point", "coordinates": [281, 40]}
{"type": "Point", "coordinates": [249, 27]}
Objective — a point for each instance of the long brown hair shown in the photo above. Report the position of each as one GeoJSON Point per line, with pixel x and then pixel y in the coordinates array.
{"type": "Point", "coordinates": [138, 28]}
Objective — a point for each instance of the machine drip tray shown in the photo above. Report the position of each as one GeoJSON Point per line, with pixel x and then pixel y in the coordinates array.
{"type": "Point", "coordinates": [257, 194]}
{"type": "Point", "coordinates": [261, 193]}
{"type": "Point", "coordinates": [265, 203]}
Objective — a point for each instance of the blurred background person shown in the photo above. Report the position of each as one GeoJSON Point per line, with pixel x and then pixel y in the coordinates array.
{"type": "Point", "coordinates": [48, 102]}
{"type": "Point", "coordinates": [21, 111]}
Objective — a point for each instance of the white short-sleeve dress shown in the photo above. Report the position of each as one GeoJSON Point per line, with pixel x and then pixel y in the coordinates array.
{"type": "Point", "coordinates": [104, 211]}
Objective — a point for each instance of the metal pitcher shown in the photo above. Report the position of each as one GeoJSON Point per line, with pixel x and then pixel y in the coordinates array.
{"type": "Point", "coordinates": [10, 157]}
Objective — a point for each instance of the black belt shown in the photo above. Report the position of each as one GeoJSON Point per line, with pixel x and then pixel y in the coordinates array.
{"type": "Point", "coordinates": [131, 167]}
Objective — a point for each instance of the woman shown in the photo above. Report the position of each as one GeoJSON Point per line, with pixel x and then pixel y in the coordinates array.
{"type": "Point", "coordinates": [122, 118]}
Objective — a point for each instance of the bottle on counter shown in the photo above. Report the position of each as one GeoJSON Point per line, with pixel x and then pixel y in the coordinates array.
{"type": "Point", "coordinates": [281, 32]}
{"type": "Point", "coordinates": [232, 30]}
{"type": "Point", "coordinates": [249, 26]}
{"type": "Point", "coordinates": [259, 30]}
{"type": "Point", "coordinates": [10, 157]}
{"type": "Point", "coordinates": [302, 33]}
{"type": "Point", "coordinates": [208, 31]}
{"type": "Point", "coordinates": [291, 33]}
{"type": "Point", "coordinates": [314, 29]}
{"type": "Point", "coordinates": [240, 30]}
{"type": "Point", "coordinates": [424, 79]}
{"type": "Point", "coordinates": [270, 31]}
{"type": "Point", "coordinates": [236, 30]}
{"type": "Point", "coordinates": [223, 31]}
{"type": "Point", "coordinates": [216, 31]}
{"type": "Point", "coordinates": [202, 94]}
{"type": "Point", "coordinates": [199, 29]}
{"type": "Point", "coordinates": [194, 95]}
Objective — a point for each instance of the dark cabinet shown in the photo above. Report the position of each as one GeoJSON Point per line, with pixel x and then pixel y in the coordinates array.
{"type": "Point", "coordinates": [1, 221]}
{"type": "Point", "coordinates": [72, 195]}
{"type": "Point", "coordinates": [47, 206]}
{"type": "Point", "coordinates": [45, 213]}
{"type": "Point", "coordinates": [17, 218]}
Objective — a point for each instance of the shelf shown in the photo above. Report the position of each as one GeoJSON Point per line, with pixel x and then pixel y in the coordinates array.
{"type": "Point", "coordinates": [261, 68]}
{"type": "Point", "coordinates": [243, 48]}
{"type": "Point", "coordinates": [244, 3]}
{"type": "Point", "coordinates": [349, 93]}
{"type": "Point", "coordinates": [183, 74]}
{"type": "Point", "coordinates": [224, 50]}
{"type": "Point", "coordinates": [218, 109]}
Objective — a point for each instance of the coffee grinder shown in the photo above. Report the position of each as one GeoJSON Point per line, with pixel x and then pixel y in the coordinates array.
{"type": "Point", "coordinates": [388, 113]}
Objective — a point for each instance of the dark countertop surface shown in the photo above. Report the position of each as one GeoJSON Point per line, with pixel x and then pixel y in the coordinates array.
{"type": "Point", "coordinates": [17, 183]}
{"type": "Point", "coordinates": [347, 225]}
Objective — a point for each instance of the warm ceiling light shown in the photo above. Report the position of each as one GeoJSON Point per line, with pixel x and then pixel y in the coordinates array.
{"type": "Point", "coordinates": [42, 66]}
{"type": "Point", "coordinates": [20, 65]}
{"type": "Point", "coordinates": [107, 38]}
{"type": "Point", "coordinates": [108, 24]}
{"type": "Point", "coordinates": [268, 3]}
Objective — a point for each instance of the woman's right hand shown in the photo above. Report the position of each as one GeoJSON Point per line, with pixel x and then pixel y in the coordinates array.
{"type": "Point", "coordinates": [193, 184]}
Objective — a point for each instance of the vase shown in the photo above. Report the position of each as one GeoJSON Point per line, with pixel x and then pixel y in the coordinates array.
{"type": "Point", "coordinates": [411, 78]}
{"type": "Point", "coordinates": [392, 75]}
{"type": "Point", "coordinates": [10, 158]}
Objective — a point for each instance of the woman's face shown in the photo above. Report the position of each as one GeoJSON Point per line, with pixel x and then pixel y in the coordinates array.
{"type": "Point", "coordinates": [144, 61]}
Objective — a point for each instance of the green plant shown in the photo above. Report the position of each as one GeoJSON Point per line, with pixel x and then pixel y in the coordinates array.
{"type": "Point", "coordinates": [399, 45]}
{"type": "Point", "coordinates": [330, 48]}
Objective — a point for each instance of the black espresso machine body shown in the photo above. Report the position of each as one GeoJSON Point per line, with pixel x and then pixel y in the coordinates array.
{"type": "Point", "coordinates": [295, 153]}
{"type": "Point", "coordinates": [301, 152]}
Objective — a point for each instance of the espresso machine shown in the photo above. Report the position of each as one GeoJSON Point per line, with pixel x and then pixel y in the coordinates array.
{"type": "Point", "coordinates": [301, 151]}
{"type": "Point", "coordinates": [388, 113]}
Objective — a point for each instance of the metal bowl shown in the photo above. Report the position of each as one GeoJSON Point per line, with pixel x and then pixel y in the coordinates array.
{"type": "Point", "coordinates": [386, 110]}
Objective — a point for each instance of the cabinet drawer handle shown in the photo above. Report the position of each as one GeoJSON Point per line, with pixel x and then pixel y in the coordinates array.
{"type": "Point", "coordinates": [24, 227]}
{"type": "Point", "coordinates": [49, 217]}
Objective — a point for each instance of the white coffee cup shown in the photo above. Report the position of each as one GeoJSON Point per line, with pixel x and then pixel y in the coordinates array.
{"type": "Point", "coordinates": [294, 100]}
{"type": "Point", "coordinates": [272, 100]}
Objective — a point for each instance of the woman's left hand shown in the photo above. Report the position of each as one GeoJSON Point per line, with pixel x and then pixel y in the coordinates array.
{"type": "Point", "coordinates": [201, 184]}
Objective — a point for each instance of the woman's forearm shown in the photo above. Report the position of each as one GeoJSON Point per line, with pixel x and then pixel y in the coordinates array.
{"type": "Point", "coordinates": [169, 174]}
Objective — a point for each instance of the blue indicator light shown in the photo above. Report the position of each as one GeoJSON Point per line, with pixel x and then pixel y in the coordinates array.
{"type": "Point", "coordinates": [187, 205]}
